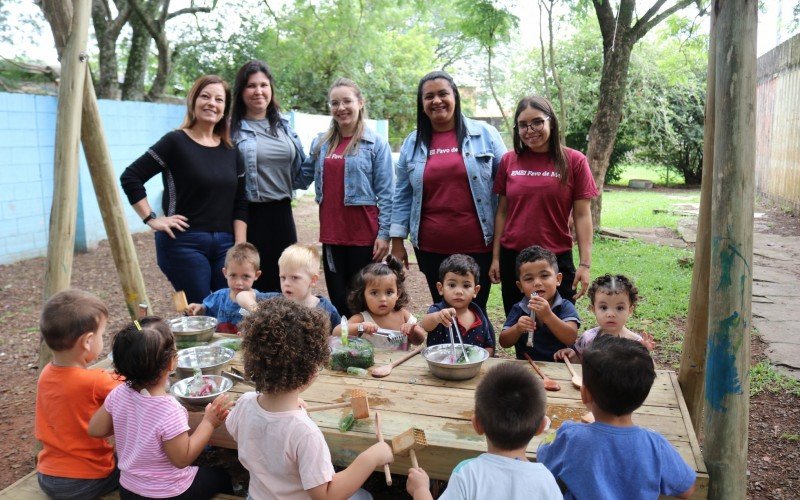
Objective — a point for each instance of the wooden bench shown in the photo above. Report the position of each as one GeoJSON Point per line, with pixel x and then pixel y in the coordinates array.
{"type": "Point", "coordinates": [27, 488]}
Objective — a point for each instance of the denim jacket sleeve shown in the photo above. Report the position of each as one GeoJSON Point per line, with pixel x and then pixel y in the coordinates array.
{"type": "Point", "coordinates": [300, 155]}
{"type": "Point", "coordinates": [403, 192]}
{"type": "Point", "coordinates": [305, 174]}
{"type": "Point", "coordinates": [382, 183]}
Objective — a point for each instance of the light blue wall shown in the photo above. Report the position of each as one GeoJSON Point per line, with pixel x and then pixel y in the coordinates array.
{"type": "Point", "coordinates": [27, 139]}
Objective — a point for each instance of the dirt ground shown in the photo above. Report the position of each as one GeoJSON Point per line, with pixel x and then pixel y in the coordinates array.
{"type": "Point", "coordinates": [774, 456]}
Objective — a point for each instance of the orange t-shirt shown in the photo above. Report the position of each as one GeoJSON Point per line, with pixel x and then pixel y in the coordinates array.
{"type": "Point", "coordinates": [66, 399]}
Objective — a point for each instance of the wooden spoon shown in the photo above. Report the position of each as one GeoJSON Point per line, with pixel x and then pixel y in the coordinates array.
{"type": "Point", "coordinates": [577, 381]}
{"type": "Point", "coordinates": [379, 435]}
{"type": "Point", "coordinates": [383, 371]}
{"type": "Point", "coordinates": [549, 384]}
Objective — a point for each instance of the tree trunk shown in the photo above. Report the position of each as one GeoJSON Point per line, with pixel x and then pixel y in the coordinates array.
{"type": "Point", "coordinates": [164, 68]}
{"type": "Point", "coordinates": [494, 94]}
{"type": "Point", "coordinates": [562, 109]}
{"type": "Point", "coordinates": [107, 30]}
{"type": "Point", "coordinates": [138, 57]}
{"type": "Point", "coordinates": [545, 90]}
{"type": "Point", "coordinates": [603, 131]}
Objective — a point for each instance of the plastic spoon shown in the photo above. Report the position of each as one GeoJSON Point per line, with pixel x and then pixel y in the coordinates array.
{"type": "Point", "coordinates": [529, 343]}
{"type": "Point", "coordinates": [549, 384]}
{"type": "Point", "coordinates": [452, 345]}
{"type": "Point", "coordinates": [577, 381]}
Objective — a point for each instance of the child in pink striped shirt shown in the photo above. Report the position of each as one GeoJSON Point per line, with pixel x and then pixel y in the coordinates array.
{"type": "Point", "coordinates": [151, 428]}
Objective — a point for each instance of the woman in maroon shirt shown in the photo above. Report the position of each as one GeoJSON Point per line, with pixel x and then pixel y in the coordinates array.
{"type": "Point", "coordinates": [541, 183]}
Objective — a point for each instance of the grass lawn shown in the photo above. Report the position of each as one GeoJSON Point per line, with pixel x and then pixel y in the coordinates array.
{"type": "Point", "coordinates": [623, 209]}
{"type": "Point", "coordinates": [648, 172]}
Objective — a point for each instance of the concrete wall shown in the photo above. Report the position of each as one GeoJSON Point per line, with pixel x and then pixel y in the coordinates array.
{"type": "Point", "coordinates": [27, 139]}
{"type": "Point", "coordinates": [778, 125]}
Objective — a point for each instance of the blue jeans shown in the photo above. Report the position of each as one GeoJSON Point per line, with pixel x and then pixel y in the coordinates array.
{"type": "Point", "coordinates": [193, 261]}
{"type": "Point", "coordinates": [68, 488]}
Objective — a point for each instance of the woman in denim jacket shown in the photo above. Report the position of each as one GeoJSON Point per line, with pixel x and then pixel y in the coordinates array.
{"type": "Point", "coordinates": [443, 191]}
{"type": "Point", "coordinates": [272, 155]}
{"type": "Point", "coordinates": [351, 167]}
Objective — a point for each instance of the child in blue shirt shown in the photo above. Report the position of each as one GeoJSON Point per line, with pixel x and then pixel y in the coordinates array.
{"type": "Point", "coordinates": [556, 321]}
{"type": "Point", "coordinates": [241, 270]}
{"type": "Point", "coordinates": [510, 409]}
{"type": "Point", "coordinates": [612, 458]}
{"type": "Point", "coordinates": [298, 268]}
{"type": "Point", "coordinates": [458, 286]}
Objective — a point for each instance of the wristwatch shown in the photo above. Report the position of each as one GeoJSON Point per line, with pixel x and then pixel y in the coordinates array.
{"type": "Point", "coordinates": [149, 217]}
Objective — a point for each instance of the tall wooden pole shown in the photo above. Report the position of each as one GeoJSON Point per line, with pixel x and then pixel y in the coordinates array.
{"type": "Point", "coordinates": [106, 189]}
{"type": "Point", "coordinates": [59, 15]}
{"type": "Point", "coordinates": [693, 356]}
{"type": "Point", "coordinates": [727, 396]}
{"type": "Point", "coordinates": [61, 242]}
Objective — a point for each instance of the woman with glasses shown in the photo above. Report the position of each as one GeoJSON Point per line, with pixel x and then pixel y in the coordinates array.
{"type": "Point", "coordinates": [443, 191]}
{"type": "Point", "coordinates": [541, 184]}
{"type": "Point", "coordinates": [351, 167]}
{"type": "Point", "coordinates": [272, 155]}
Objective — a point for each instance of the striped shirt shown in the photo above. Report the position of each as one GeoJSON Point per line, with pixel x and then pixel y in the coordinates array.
{"type": "Point", "coordinates": [141, 425]}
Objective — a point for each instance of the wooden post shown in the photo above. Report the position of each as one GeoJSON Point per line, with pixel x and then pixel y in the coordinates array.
{"type": "Point", "coordinates": [693, 355]}
{"type": "Point", "coordinates": [59, 15]}
{"type": "Point", "coordinates": [727, 396]}
{"type": "Point", "coordinates": [108, 198]}
{"type": "Point", "coordinates": [61, 242]}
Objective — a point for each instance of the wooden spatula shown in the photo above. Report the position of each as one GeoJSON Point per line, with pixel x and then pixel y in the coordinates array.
{"type": "Point", "coordinates": [383, 371]}
{"type": "Point", "coordinates": [549, 384]}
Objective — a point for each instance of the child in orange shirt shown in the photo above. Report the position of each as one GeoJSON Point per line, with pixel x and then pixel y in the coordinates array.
{"type": "Point", "coordinates": [71, 464]}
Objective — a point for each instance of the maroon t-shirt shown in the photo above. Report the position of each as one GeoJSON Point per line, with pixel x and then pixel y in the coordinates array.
{"type": "Point", "coordinates": [339, 224]}
{"type": "Point", "coordinates": [539, 206]}
{"type": "Point", "coordinates": [448, 220]}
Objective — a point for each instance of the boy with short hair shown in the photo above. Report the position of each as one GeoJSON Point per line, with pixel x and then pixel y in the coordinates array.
{"type": "Point", "coordinates": [509, 408]}
{"type": "Point", "coordinates": [612, 457]}
{"type": "Point", "coordinates": [556, 321]}
{"type": "Point", "coordinates": [242, 264]}
{"type": "Point", "coordinates": [71, 464]}
{"type": "Point", "coordinates": [298, 268]}
{"type": "Point", "coordinates": [458, 286]}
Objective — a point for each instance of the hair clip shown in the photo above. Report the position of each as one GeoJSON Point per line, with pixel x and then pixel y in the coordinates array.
{"type": "Point", "coordinates": [138, 326]}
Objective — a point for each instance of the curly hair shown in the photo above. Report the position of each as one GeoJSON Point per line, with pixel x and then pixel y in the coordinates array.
{"type": "Point", "coordinates": [612, 285]}
{"type": "Point", "coordinates": [285, 344]}
{"type": "Point", "coordinates": [142, 356]}
{"type": "Point", "coordinates": [356, 300]}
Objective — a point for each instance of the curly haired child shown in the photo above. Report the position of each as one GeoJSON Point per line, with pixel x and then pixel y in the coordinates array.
{"type": "Point", "coordinates": [151, 429]}
{"type": "Point", "coordinates": [378, 291]}
{"type": "Point", "coordinates": [284, 346]}
{"type": "Point", "coordinates": [612, 300]}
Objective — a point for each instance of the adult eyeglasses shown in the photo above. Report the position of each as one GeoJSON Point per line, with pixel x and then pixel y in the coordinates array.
{"type": "Point", "coordinates": [534, 125]}
{"type": "Point", "coordinates": [342, 103]}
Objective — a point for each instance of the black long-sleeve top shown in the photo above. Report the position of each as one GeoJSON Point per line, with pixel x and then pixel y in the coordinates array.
{"type": "Point", "coordinates": [204, 184]}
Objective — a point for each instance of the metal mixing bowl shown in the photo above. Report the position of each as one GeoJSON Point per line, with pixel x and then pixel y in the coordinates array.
{"type": "Point", "coordinates": [193, 328]}
{"type": "Point", "coordinates": [210, 359]}
{"type": "Point", "coordinates": [458, 371]}
{"type": "Point", "coordinates": [178, 390]}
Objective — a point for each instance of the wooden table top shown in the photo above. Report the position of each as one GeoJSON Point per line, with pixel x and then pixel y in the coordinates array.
{"type": "Point", "coordinates": [411, 397]}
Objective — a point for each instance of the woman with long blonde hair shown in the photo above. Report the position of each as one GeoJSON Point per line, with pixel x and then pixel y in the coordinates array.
{"type": "Point", "coordinates": [351, 167]}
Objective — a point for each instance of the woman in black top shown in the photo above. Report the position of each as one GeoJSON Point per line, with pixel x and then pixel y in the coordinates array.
{"type": "Point", "coordinates": [272, 155]}
{"type": "Point", "coordinates": [204, 205]}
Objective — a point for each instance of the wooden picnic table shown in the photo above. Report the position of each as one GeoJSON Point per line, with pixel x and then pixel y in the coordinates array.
{"type": "Point", "coordinates": [411, 397]}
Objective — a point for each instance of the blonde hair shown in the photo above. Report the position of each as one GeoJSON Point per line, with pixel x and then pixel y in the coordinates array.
{"type": "Point", "coordinates": [334, 136]}
{"type": "Point", "coordinates": [299, 256]}
{"type": "Point", "coordinates": [243, 253]}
